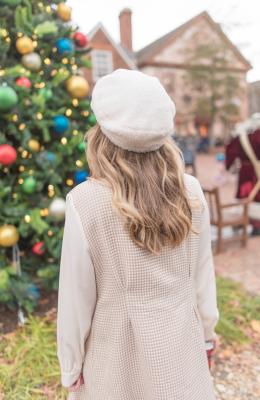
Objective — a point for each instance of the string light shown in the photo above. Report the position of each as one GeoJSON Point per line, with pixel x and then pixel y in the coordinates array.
{"type": "Point", "coordinates": [41, 72]}
{"type": "Point", "coordinates": [54, 49]}
{"type": "Point", "coordinates": [53, 72]}
{"type": "Point", "coordinates": [24, 154]}
{"type": "Point", "coordinates": [14, 195]}
{"type": "Point", "coordinates": [20, 148]}
{"type": "Point", "coordinates": [44, 212]}
{"type": "Point", "coordinates": [19, 34]}
{"type": "Point", "coordinates": [68, 112]}
{"type": "Point", "coordinates": [79, 163]}
{"type": "Point", "coordinates": [21, 168]}
{"type": "Point", "coordinates": [75, 132]}
{"type": "Point", "coordinates": [8, 40]}
{"type": "Point", "coordinates": [69, 182]}
{"type": "Point", "coordinates": [85, 113]}
{"type": "Point", "coordinates": [65, 61]}
{"type": "Point", "coordinates": [39, 116]}
{"type": "Point", "coordinates": [48, 9]}
{"type": "Point", "coordinates": [51, 191]}
{"type": "Point", "coordinates": [74, 67]}
{"type": "Point", "coordinates": [39, 85]}
{"type": "Point", "coordinates": [4, 33]}
{"type": "Point", "coordinates": [2, 72]}
{"type": "Point", "coordinates": [35, 43]}
{"type": "Point", "coordinates": [5, 170]}
{"type": "Point", "coordinates": [47, 61]}
{"type": "Point", "coordinates": [20, 181]}
{"type": "Point", "coordinates": [27, 218]}
{"type": "Point", "coordinates": [40, 4]}
{"type": "Point", "coordinates": [75, 102]}
{"type": "Point", "coordinates": [50, 233]}
{"type": "Point", "coordinates": [15, 117]}
{"type": "Point", "coordinates": [31, 171]}
{"type": "Point", "coordinates": [72, 60]}
{"type": "Point", "coordinates": [64, 140]}
{"type": "Point", "coordinates": [22, 126]}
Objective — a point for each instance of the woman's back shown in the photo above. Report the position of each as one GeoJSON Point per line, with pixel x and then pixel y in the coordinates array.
{"type": "Point", "coordinates": [137, 296]}
{"type": "Point", "coordinates": [146, 339]}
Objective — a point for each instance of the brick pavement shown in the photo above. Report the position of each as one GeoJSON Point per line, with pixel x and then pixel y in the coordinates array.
{"type": "Point", "coordinates": [235, 262]}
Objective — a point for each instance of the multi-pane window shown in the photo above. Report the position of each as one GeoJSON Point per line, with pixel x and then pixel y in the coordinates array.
{"type": "Point", "coordinates": [102, 63]}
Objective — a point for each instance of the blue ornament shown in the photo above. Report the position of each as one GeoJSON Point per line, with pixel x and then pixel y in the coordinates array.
{"type": "Point", "coordinates": [60, 124]}
{"type": "Point", "coordinates": [49, 156]}
{"type": "Point", "coordinates": [64, 46]}
{"type": "Point", "coordinates": [80, 176]}
{"type": "Point", "coordinates": [33, 292]}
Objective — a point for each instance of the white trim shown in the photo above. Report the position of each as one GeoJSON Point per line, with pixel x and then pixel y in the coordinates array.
{"type": "Point", "coordinates": [117, 47]}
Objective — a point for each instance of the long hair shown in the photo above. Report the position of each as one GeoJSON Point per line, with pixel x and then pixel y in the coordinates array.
{"type": "Point", "coordinates": [148, 190]}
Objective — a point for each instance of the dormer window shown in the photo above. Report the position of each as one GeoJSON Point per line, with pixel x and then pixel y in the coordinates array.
{"type": "Point", "coordinates": [102, 63]}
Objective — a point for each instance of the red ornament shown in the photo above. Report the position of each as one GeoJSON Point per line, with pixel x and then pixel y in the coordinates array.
{"type": "Point", "coordinates": [38, 248]}
{"type": "Point", "coordinates": [24, 82]}
{"type": "Point", "coordinates": [7, 154]}
{"type": "Point", "coordinates": [80, 39]}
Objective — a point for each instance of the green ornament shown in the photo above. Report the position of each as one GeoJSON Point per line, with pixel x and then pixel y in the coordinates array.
{"type": "Point", "coordinates": [29, 185]}
{"type": "Point", "coordinates": [92, 120]}
{"type": "Point", "coordinates": [8, 98]}
{"type": "Point", "coordinates": [81, 147]}
{"type": "Point", "coordinates": [46, 93]}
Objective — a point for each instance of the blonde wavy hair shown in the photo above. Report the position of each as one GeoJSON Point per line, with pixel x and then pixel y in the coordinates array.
{"type": "Point", "coordinates": [148, 190]}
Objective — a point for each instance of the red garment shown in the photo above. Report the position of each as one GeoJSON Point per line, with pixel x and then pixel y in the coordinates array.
{"type": "Point", "coordinates": [247, 177]}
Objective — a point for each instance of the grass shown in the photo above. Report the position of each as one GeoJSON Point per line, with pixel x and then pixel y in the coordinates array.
{"type": "Point", "coordinates": [29, 368]}
{"type": "Point", "coordinates": [237, 308]}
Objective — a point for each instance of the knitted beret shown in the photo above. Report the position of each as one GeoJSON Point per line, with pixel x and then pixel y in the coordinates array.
{"type": "Point", "coordinates": [133, 110]}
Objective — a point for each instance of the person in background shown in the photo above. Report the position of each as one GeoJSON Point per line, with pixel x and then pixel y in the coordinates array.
{"type": "Point", "coordinates": [245, 147]}
{"type": "Point", "coordinates": [137, 296]}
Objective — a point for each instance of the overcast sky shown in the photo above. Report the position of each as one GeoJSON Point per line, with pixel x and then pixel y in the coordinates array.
{"type": "Point", "coordinates": [240, 19]}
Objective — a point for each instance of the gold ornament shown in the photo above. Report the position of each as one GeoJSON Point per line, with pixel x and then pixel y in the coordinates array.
{"type": "Point", "coordinates": [64, 12]}
{"type": "Point", "coordinates": [78, 87]}
{"type": "Point", "coordinates": [34, 145]}
{"type": "Point", "coordinates": [24, 45]}
{"type": "Point", "coordinates": [9, 235]}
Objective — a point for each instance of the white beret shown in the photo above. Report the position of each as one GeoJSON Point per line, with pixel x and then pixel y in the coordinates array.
{"type": "Point", "coordinates": [133, 110]}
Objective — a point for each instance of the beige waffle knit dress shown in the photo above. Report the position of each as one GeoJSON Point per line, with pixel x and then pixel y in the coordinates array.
{"type": "Point", "coordinates": [134, 323]}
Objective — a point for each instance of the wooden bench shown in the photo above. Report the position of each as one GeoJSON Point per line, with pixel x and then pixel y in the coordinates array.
{"type": "Point", "coordinates": [221, 216]}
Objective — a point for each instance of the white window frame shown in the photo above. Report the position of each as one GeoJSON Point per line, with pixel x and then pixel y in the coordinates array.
{"type": "Point", "coordinates": [99, 69]}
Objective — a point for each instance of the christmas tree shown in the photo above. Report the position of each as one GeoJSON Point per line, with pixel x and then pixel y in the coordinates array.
{"type": "Point", "coordinates": [44, 113]}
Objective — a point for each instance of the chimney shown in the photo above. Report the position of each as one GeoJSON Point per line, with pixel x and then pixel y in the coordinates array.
{"type": "Point", "coordinates": [125, 21]}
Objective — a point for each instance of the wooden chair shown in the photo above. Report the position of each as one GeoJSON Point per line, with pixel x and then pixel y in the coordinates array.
{"type": "Point", "coordinates": [221, 216]}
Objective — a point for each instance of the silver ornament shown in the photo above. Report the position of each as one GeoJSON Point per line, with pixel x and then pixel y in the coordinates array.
{"type": "Point", "coordinates": [32, 61]}
{"type": "Point", "coordinates": [57, 208]}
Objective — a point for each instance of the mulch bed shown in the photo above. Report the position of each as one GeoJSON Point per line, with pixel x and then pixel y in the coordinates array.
{"type": "Point", "coordinates": [9, 321]}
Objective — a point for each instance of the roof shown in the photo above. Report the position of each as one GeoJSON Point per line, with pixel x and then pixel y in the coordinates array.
{"type": "Point", "coordinates": [121, 51]}
{"type": "Point", "coordinates": [145, 54]}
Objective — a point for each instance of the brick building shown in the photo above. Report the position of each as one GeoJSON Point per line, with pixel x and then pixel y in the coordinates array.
{"type": "Point", "coordinates": [167, 59]}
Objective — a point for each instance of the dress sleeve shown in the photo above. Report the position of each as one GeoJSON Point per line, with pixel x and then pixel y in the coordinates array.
{"type": "Point", "coordinates": [205, 276]}
{"type": "Point", "coordinates": [76, 298]}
